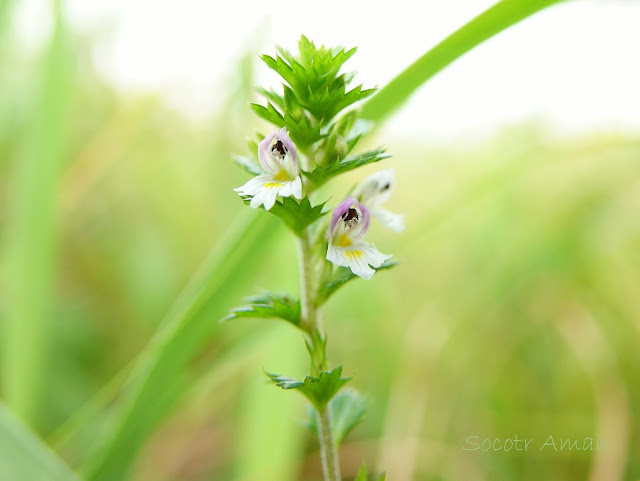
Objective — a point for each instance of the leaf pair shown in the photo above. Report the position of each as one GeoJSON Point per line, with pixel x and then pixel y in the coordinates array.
{"type": "Point", "coordinates": [313, 79]}
{"type": "Point", "coordinates": [297, 215]}
{"type": "Point", "coordinates": [313, 94]}
{"type": "Point", "coordinates": [318, 390]}
{"type": "Point", "coordinates": [270, 305]}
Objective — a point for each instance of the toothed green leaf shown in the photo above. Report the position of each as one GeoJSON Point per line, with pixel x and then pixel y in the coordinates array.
{"type": "Point", "coordinates": [269, 113]}
{"type": "Point", "coordinates": [313, 83]}
{"type": "Point", "coordinates": [338, 277]}
{"type": "Point", "coordinates": [318, 390]}
{"type": "Point", "coordinates": [268, 305]}
{"type": "Point", "coordinates": [322, 174]}
{"type": "Point", "coordinates": [297, 215]}
{"type": "Point", "coordinates": [275, 98]}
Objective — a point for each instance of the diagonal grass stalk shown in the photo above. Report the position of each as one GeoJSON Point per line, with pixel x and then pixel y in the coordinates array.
{"type": "Point", "coordinates": [157, 378]}
{"type": "Point", "coordinates": [492, 21]}
{"type": "Point", "coordinates": [23, 457]}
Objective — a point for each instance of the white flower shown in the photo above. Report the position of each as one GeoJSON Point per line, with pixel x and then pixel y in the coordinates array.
{"type": "Point", "coordinates": [278, 158]}
{"type": "Point", "coordinates": [349, 223]}
{"type": "Point", "coordinates": [376, 190]}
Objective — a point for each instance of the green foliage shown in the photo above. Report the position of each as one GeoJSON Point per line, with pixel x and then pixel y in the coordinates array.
{"type": "Point", "coordinates": [318, 390]}
{"type": "Point", "coordinates": [297, 215]}
{"type": "Point", "coordinates": [363, 475]}
{"type": "Point", "coordinates": [302, 130]}
{"type": "Point", "coordinates": [322, 174]}
{"type": "Point", "coordinates": [32, 235]}
{"type": "Point", "coordinates": [314, 82]}
{"type": "Point", "coordinates": [490, 22]}
{"type": "Point", "coordinates": [348, 408]}
{"type": "Point", "coordinates": [23, 457]}
{"type": "Point", "coordinates": [336, 277]}
{"type": "Point", "coordinates": [157, 380]}
{"type": "Point", "coordinates": [313, 94]}
{"type": "Point", "coordinates": [267, 306]}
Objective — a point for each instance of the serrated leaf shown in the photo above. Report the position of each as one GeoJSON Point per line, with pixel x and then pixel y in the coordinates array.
{"type": "Point", "coordinates": [300, 128]}
{"type": "Point", "coordinates": [338, 277]}
{"type": "Point", "coordinates": [318, 390]}
{"type": "Point", "coordinates": [313, 83]}
{"type": "Point", "coordinates": [269, 113]}
{"type": "Point", "coordinates": [275, 98]}
{"type": "Point", "coordinates": [348, 408]}
{"type": "Point", "coordinates": [297, 216]}
{"type": "Point", "coordinates": [322, 174]}
{"type": "Point", "coordinates": [268, 306]}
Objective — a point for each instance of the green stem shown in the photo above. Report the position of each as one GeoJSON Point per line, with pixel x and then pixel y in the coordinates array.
{"type": "Point", "coordinates": [308, 310]}
{"type": "Point", "coordinates": [316, 343]}
{"type": "Point", "coordinates": [330, 464]}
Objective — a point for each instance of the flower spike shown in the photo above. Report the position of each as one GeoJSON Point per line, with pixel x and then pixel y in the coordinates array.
{"type": "Point", "coordinates": [376, 190]}
{"type": "Point", "coordinates": [349, 224]}
{"type": "Point", "coordinates": [278, 158]}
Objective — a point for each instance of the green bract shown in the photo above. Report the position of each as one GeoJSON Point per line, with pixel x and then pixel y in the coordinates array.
{"type": "Point", "coordinates": [318, 390]}
{"type": "Point", "coordinates": [268, 306]}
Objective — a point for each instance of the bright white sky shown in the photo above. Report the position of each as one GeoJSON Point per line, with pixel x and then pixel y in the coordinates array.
{"type": "Point", "coordinates": [576, 65]}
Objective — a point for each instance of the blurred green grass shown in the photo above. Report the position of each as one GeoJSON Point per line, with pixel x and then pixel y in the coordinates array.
{"type": "Point", "coordinates": [514, 309]}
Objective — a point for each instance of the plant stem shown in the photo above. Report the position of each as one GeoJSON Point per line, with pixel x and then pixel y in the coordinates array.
{"type": "Point", "coordinates": [316, 344]}
{"type": "Point", "coordinates": [308, 310]}
{"type": "Point", "coordinates": [330, 464]}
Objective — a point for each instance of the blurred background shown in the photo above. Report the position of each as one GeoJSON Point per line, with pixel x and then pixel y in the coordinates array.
{"type": "Point", "coordinates": [515, 307]}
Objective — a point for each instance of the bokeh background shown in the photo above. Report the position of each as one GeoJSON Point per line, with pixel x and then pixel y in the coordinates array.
{"type": "Point", "coordinates": [515, 307]}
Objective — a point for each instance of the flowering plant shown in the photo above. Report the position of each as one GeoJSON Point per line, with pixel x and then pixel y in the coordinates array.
{"type": "Point", "coordinates": [314, 137]}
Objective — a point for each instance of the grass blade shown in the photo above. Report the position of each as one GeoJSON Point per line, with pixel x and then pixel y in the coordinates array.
{"type": "Point", "coordinates": [156, 382]}
{"type": "Point", "coordinates": [492, 21]}
{"type": "Point", "coordinates": [271, 442]}
{"type": "Point", "coordinates": [23, 457]}
{"type": "Point", "coordinates": [32, 236]}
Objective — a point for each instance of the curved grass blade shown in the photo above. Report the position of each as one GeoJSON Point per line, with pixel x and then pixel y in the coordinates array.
{"type": "Point", "coordinates": [158, 378]}
{"type": "Point", "coordinates": [492, 21]}
{"type": "Point", "coordinates": [24, 457]}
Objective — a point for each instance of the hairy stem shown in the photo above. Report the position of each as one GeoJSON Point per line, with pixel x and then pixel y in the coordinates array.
{"type": "Point", "coordinates": [330, 464]}
{"type": "Point", "coordinates": [316, 344]}
{"type": "Point", "coordinates": [308, 311]}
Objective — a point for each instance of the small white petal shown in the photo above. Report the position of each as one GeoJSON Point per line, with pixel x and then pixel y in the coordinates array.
{"type": "Point", "coordinates": [258, 199]}
{"type": "Point", "coordinates": [296, 188]}
{"type": "Point", "coordinates": [376, 189]}
{"type": "Point", "coordinates": [357, 257]}
{"type": "Point", "coordinates": [270, 197]}
{"type": "Point", "coordinates": [372, 255]}
{"type": "Point", "coordinates": [254, 185]}
{"type": "Point", "coordinates": [393, 221]}
{"type": "Point", "coordinates": [286, 189]}
{"type": "Point", "coordinates": [362, 269]}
